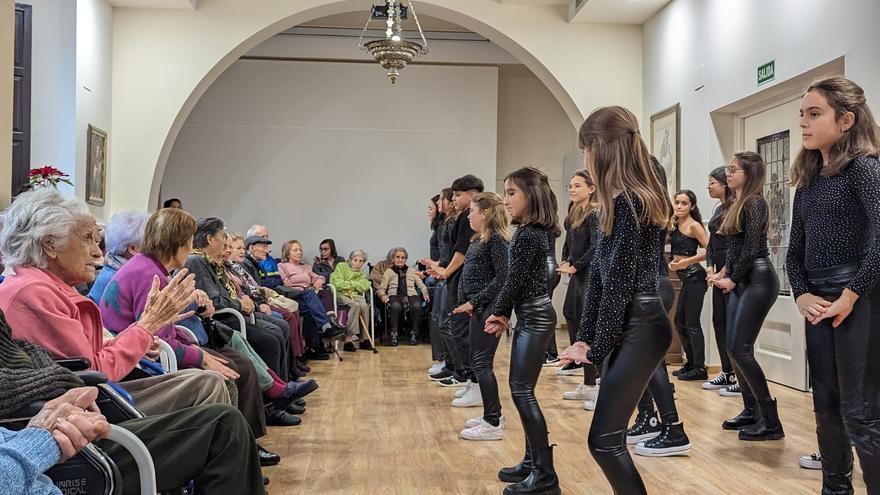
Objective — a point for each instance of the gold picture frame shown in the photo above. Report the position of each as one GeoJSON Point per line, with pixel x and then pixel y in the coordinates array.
{"type": "Point", "coordinates": [666, 144]}
{"type": "Point", "coordinates": [96, 166]}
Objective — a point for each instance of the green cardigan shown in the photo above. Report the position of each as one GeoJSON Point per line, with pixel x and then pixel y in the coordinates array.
{"type": "Point", "coordinates": [346, 280]}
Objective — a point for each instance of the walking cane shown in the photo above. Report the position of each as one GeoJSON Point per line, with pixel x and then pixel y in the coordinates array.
{"type": "Point", "coordinates": [350, 295]}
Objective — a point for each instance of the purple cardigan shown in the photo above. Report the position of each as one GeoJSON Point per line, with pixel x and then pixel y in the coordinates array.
{"type": "Point", "coordinates": [124, 300]}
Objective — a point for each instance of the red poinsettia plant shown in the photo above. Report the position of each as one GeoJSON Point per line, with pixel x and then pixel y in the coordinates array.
{"type": "Point", "coordinates": [47, 176]}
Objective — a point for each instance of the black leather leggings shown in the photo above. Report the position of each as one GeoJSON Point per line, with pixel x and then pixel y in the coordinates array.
{"type": "Point", "coordinates": [747, 306]}
{"type": "Point", "coordinates": [719, 319]}
{"type": "Point", "coordinates": [536, 324]}
{"type": "Point", "coordinates": [483, 347]}
{"type": "Point", "coordinates": [645, 340]}
{"type": "Point", "coordinates": [844, 367]}
{"type": "Point", "coordinates": [659, 388]}
{"type": "Point", "coordinates": [572, 309]}
{"type": "Point", "coordinates": [553, 279]}
{"type": "Point", "coordinates": [687, 314]}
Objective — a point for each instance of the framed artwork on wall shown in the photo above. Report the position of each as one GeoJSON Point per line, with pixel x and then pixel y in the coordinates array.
{"type": "Point", "coordinates": [666, 144]}
{"type": "Point", "coordinates": [96, 166]}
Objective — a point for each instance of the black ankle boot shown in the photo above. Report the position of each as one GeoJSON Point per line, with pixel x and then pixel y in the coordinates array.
{"type": "Point", "coordinates": [767, 426]}
{"type": "Point", "coordinates": [542, 480]}
{"type": "Point", "coordinates": [747, 417]}
{"type": "Point", "coordinates": [519, 472]}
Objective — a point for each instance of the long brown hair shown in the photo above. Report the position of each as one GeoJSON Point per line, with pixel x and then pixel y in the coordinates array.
{"type": "Point", "coordinates": [719, 174]}
{"type": "Point", "coordinates": [541, 209]}
{"type": "Point", "coordinates": [577, 213]}
{"type": "Point", "coordinates": [861, 139]}
{"type": "Point", "coordinates": [756, 172]}
{"type": "Point", "coordinates": [496, 216]}
{"type": "Point", "coordinates": [621, 162]}
{"type": "Point", "coordinates": [692, 198]}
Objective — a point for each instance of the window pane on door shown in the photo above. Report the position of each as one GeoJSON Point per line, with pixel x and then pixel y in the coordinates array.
{"type": "Point", "coordinates": [775, 151]}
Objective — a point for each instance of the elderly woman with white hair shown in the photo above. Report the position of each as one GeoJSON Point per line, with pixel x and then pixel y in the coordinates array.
{"type": "Point", "coordinates": [49, 241]}
{"type": "Point", "coordinates": [123, 236]}
{"type": "Point", "coordinates": [400, 289]}
{"type": "Point", "coordinates": [351, 283]}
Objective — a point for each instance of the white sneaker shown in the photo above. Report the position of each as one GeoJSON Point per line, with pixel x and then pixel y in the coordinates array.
{"type": "Point", "coordinates": [582, 392]}
{"type": "Point", "coordinates": [460, 392]}
{"type": "Point", "coordinates": [471, 398]}
{"type": "Point", "coordinates": [483, 431]}
{"type": "Point", "coordinates": [479, 419]}
{"type": "Point", "coordinates": [812, 461]}
{"type": "Point", "coordinates": [436, 367]}
{"type": "Point", "coordinates": [590, 405]}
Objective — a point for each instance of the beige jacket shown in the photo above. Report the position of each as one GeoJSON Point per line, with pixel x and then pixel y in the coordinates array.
{"type": "Point", "coordinates": [414, 284]}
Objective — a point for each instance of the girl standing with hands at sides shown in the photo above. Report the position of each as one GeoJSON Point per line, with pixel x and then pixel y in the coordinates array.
{"type": "Point", "coordinates": [483, 274]}
{"type": "Point", "coordinates": [623, 318]}
{"type": "Point", "coordinates": [753, 286]}
{"type": "Point", "coordinates": [716, 257]}
{"type": "Point", "coordinates": [532, 206]}
{"type": "Point", "coordinates": [581, 236]}
{"type": "Point", "coordinates": [834, 266]}
{"type": "Point", "coordinates": [686, 239]}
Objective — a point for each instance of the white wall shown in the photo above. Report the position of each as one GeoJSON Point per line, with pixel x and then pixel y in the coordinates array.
{"type": "Point", "coordinates": [94, 55]}
{"type": "Point", "coordinates": [320, 149]}
{"type": "Point", "coordinates": [53, 76]}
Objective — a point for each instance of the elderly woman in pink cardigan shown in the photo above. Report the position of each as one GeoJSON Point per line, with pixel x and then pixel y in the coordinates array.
{"type": "Point", "coordinates": [50, 242]}
{"type": "Point", "coordinates": [315, 301]}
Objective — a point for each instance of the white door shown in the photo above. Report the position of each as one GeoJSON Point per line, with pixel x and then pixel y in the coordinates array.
{"type": "Point", "coordinates": [773, 131]}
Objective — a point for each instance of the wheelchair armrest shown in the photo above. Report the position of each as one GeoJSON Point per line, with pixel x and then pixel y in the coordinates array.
{"type": "Point", "coordinates": [91, 378]}
{"type": "Point", "coordinates": [75, 364]}
{"type": "Point", "coordinates": [25, 413]}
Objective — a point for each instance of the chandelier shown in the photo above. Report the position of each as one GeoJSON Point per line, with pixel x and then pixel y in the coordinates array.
{"type": "Point", "coordinates": [393, 52]}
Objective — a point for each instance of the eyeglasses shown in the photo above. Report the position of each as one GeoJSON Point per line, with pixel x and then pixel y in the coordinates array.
{"type": "Point", "coordinates": [731, 170]}
{"type": "Point", "coordinates": [324, 249]}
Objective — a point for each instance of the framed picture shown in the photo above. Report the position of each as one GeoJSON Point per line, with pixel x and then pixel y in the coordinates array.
{"type": "Point", "coordinates": [666, 144]}
{"type": "Point", "coordinates": [96, 166]}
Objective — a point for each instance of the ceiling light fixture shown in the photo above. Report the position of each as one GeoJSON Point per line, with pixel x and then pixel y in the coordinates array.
{"type": "Point", "coordinates": [393, 52]}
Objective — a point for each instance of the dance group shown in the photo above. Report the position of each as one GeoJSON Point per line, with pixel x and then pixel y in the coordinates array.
{"type": "Point", "coordinates": [619, 220]}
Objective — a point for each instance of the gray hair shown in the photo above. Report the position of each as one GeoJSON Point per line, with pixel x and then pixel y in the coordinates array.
{"type": "Point", "coordinates": [358, 252]}
{"type": "Point", "coordinates": [125, 229]}
{"type": "Point", "coordinates": [38, 216]}
{"type": "Point", "coordinates": [395, 250]}
{"type": "Point", "coordinates": [254, 228]}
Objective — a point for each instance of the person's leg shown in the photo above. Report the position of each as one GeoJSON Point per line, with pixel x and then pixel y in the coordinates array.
{"type": "Point", "coordinates": [693, 308]}
{"type": "Point", "coordinates": [326, 298]}
{"type": "Point", "coordinates": [438, 349]}
{"type": "Point", "coordinates": [281, 331]}
{"type": "Point", "coordinates": [315, 308]}
{"type": "Point", "coordinates": [174, 391]}
{"type": "Point", "coordinates": [240, 345]}
{"type": "Point", "coordinates": [293, 323]}
{"type": "Point", "coordinates": [268, 344]}
{"type": "Point", "coordinates": [646, 338]}
{"type": "Point", "coordinates": [453, 360]}
{"type": "Point", "coordinates": [210, 444]}
{"type": "Point", "coordinates": [415, 314]}
{"type": "Point", "coordinates": [250, 397]}
{"type": "Point", "coordinates": [395, 308]}
{"type": "Point", "coordinates": [352, 327]}
{"type": "Point", "coordinates": [681, 325]}
{"type": "Point", "coordinates": [484, 346]}
{"type": "Point", "coordinates": [719, 322]}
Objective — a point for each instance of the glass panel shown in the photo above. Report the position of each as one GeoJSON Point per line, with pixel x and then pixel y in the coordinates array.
{"type": "Point", "coordinates": [775, 149]}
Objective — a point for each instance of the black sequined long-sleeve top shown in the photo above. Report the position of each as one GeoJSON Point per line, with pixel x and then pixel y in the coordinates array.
{"type": "Point", "coordinates": [484, 271]}
{"type": "Point", "coordinates": [527, 272]}
{"type": "Point", "coordinates": [580, 242]}
{"type": "Point", "coordinates": [744, 247]}
{"type": "Point", "coordinates": [627, 261]}
{"type": "Point", "coordinates": [836, 221]}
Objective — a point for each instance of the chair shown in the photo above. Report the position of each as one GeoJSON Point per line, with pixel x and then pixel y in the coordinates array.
{"type": "Point", "coordinates": [242, 326]}
{"type": "Point", "coordinates": [342, 314]}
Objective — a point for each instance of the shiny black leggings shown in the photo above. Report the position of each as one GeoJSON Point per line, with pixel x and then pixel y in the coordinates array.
{"type": "Point", "coordinates": [844, 371]}
{"type": "Point", "coordinates": [659, 388]}
{"type": "Point", "coordinates": [535, 326]}
{"type": "Point", "coordinates": [647, 335]}
{"type": "Point", "coordinates": [687, 315]}
{"type": "Point", "coordinates": [483, 347]}
{"type": "Point", "coordinates": [719, 318]}
{"type": "Point", "coordinates": [747, 306]}
{"type": "Point", "coordinates": [553, 278]}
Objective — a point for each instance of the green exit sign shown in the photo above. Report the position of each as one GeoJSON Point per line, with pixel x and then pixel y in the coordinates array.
{"type": "Point", "coordinates": [767, 72]}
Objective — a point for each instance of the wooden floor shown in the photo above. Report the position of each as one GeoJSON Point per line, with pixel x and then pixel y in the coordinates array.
{"type": "Point", "coordinates": [377, 425]}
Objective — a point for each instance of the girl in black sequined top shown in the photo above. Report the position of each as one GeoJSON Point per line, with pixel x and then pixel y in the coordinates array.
{"type": "Point", "coordinates": [532, 205]}
{"type": "Point", "coordinates": [834, 267]}
{"type": "Point", "coordinates": [483, 273]}
{"type": "Point", "coordinates": [686, 239]}
{"type": "Point", "coordinates": [623, 319]}
{"type": "Point", "coordinates": [753, 286]}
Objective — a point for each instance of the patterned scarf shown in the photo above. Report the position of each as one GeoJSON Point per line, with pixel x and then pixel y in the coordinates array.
{"type": "Point", "coordinates": [219, 272]}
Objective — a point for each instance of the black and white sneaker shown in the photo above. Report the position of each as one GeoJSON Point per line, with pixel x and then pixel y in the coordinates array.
{"type": "Point", "coordinates": [731, 391]}
{"type": "Point", "coordinates": [442, 375]}
{"type": "Point", "coordinates": [721, 381]}
{"type": "Point", "coordinates": [452, 381]}
{"type": "Point", "coordinates": [671, 441]}
{"type": "Point", "coordinates": [812, 461]}
{"type": "Point", "coordinates": [647, 426]}
{"type": "Point", "coordinates": [571, 369]}
{"type": "Point", "coordinates": [550, 360]}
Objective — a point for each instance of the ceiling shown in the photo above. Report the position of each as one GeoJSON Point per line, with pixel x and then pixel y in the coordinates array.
{"type": "Point", "coordinates": [358, 19]}
{"type": "Point", "coordinates": [155, 4]}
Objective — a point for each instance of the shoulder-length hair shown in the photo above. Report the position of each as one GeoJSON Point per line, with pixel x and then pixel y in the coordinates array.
{"type": "Point", "coordinates": [861, 139]}
{"type": "Point", "coordinates": [287, 247]}
{"type": "Point", "coordinates": [578, 213]}
{"type": "Point", "coordinates": [753, 166]}
{"type": "Point", "coordinates": [496, 216]}
{"type": "Point", "coordinates": [692, 198]}
{"type": "Point", "coordinates": [621, 162]}
{"type": "Point", "coordinates": [541, 208]}
{"type": "Point", "coordinates": [168, 230]}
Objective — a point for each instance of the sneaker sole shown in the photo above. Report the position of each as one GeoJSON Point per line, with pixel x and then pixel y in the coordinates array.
{"type": "Point", "coordinates": [459, 384]}
{"type": "Point", "coordinates": [550, 365]}
{"type": "Point", "coordinates": [589, 405]}
{"type": "Point", "coordinates": [437, 379]}
{"type": "Point", "coordinates": [810, 465]}
{"type": "Point", "coordinates": [692, 379]}
{"type": "Point", "coordinates": [480, 404]}
{"type": "Point", "coordinates": [710, 386]}
{"type": "Point", "coordinates": [667, 452]}
{"type": "Point", "coordinates": [640, 438]}
{"type": "Point", "coordinates": [574, 398]}
{"type": "Point", "coordinates": [725, 393]}
{"type": "Point", "coordinates": [468, 425]}
{"type": "Point", "coordinates": [481, 439]}
{"type": "Point", "coordinates": [775, 436]}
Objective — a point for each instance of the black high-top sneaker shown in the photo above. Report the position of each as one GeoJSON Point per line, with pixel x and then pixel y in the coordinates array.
{"type": "Point", "coordinates": [672, 440]}
{"type": "Point", "coordinates": [721, 381]}
{"type": "Point", "coordinates": [646, 426]}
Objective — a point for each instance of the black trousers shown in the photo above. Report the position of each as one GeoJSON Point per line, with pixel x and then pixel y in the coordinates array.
{"type": "Point", "coordinates": [572, 309]}
{"type": "Point", "coordinates": [396, 306]}
{"type": "Point", "coordinates": [210, 444]}
{"type": "Point", "coordinates": [553, 278]}
{"type": "Point", "coordinates": [646, 338]}
{"type": "Point", "coordinates": [659, 387]}
{"type": "Point", "coordinates": [455, 332]}
{"type": "Point", "coordinates": [687, 314]}
{"type": "Point", "coordinates": [719, 320]}
{"type": "Point", "coordinates": [747, 307]}
{"type": "Point", "coordinates": [536, 323]}
{"type": "Point", "coordinates": [844, 369]}
{"type": "Point", "coordinates": [268, 341]}
{"type": "Point", "coordinates": [483, 347]}
{"type": "Point", "coordinates": [438, 347]}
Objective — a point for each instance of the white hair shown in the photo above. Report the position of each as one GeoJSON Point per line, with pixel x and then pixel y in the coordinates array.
{"type": "Point", "coordinates": [125, 229]}
{"type": "Point", "coordinates": [38, 216]}
{"type": "Point", "coordinates": [358, 252]}
{"type": "Point", "coordinates": [254, 228]}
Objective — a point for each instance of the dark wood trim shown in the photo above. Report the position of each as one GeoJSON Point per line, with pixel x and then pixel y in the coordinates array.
{"type": "Point", "coordinates": [21, 110]}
